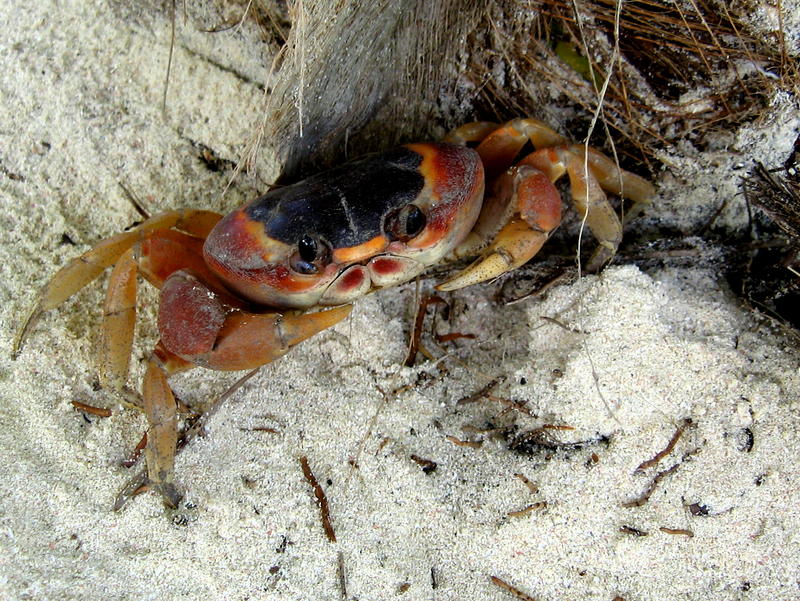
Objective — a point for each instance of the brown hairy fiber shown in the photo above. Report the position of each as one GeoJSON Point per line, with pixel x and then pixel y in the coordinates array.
{"type": "Point", "coordinates": [361, 75]}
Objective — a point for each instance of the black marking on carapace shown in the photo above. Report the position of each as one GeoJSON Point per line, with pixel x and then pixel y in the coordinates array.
{"type": "Point", "coordinates": [344, 206]}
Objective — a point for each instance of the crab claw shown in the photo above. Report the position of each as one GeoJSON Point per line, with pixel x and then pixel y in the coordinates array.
{"type": "Point", "coordinates": [208, 328]}
{"type": "Point", "coordinates": [248, 340]}
{"type": "Point", "coordinates": [529, 195]}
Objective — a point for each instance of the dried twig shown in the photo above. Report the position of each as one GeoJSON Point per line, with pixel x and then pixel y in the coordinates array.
{"type": "Point", "coordinates": [511, 404]}
{"type": "Point", "coordinates": [92, 410]}
{"type": "Point", "coordinates": [260, 429]}
{"type": "Point", "coordinates": [322, 500]}
{"type": "Point", "coordinates": [527, 509]}
{"type": "Point", "coordinates": [342, 573]}
{"type": "Point", "coordinates": [511, 589]}
{"type": "Point", "coordinates": [427, 465]}
{"type": "Point", "coordinates": [668, 449]}
{"type": "Point", "coordinates": [453, 336]}
{"type": "Point", "coordinates": [532, 486]}
{"type": "Point", "coordinates": [475, 444]}
{"type": "Point", "coordinates": [625, 529]}
{"type": "Point", "coordinates": [131, 460]}
{"type": "Point", "coordinates": [643, 498]}
{"type": "Point", "coordinates": [682, 531]}
{"type": "Point", "coordinates": [414, 344]}
{"type": "Point", "coordinates": [477, 396]}
{"type": "Point", "coordinates": [562, 325]}
{"type": "Point", "coordinates": [563, 277]}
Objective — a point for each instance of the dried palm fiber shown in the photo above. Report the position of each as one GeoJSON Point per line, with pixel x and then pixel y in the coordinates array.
{"type": "Point", "coordinates": [351, 63]}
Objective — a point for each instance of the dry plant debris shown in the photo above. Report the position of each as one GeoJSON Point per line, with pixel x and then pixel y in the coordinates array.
{"type": "Point", "coordinates": [482, 393]}
{"type": "Point", "coordinates": [534, 489]}
{"type": "Point", "coordinates": [342, 575]}
{"type": "Point", "coordinates": [415, 344]}
{"type": "Point", "coordinates": [475, 444]}
{"type": "Point", "coordinates": [519, 594]}
{"type": "Point", "coordinates": [677, 531]}
{"type": "Point", "coordinates": [625, 529]}
{"type": "Point", "coordinates": [322, 500]}
{"type": "Point", "coordinates": [527, 509]}
{"type": "Point", "coordinates": [133, 457]}
{"type": "Point", "coordinates": [663, 71]}
{"type": "Point", "coordinates": [674, 70]}
{"type": "Point", "coordinates": [428, 466]}
{"type": "Point", "coordinates": [667, 450]}
{"type": "Point", "coordinates": [770, 276]}
{"type": "Point", "coordinates": [91, 410]}
{"type": "Point", "coordinates": [532, 486]}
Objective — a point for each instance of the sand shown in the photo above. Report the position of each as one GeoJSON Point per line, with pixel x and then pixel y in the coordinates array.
{"type": "Point", "coordinates": [623, 360]}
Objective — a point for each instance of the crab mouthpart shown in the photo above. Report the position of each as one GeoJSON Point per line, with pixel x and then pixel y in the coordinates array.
{"type": "Point", "coordinates": [381, 271]}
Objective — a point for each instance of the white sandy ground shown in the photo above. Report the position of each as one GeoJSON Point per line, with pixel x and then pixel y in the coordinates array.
{"type": "Point", "coordinates": [81, 85]}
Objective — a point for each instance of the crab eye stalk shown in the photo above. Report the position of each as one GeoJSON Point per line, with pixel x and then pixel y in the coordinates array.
{"type": "Point", "coordinates": [311, 257]}
{"type": "Point", "coordinates": [406, 223]}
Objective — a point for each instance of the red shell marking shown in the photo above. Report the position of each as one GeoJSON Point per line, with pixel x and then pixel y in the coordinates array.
{"type": "Point", "coordinates": [238, 251]}
{"type": "Point", "coordinates": [451, 170]}
{"type": "Point", "coordinates": [386, 265]}
{"type": "Point", "coordinates": [351, 280]}
{"type": "Point", "coordinates": [455, 181]}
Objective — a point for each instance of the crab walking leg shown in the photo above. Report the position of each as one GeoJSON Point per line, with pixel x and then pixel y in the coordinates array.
{"type": "Point", "coordinates": [161, 410]}
{"type": "Point", "coordinates": [588, 191]}
{"type": "Point", "coordinates": [501, 147]}
{"type": "Point", "coordinates": [521, 130]}
{"type": "Point", "coordinates": [119, 320]}
{"type": "Point", "coordinates": [529, 193]}
{"type": "Point", "coordinates": [471, 132]}
{"type": "Point", "coordinates": [82, 270]}
{"type": "Point", "coordinates": [616, 180]}
{"type": "Point", "coordinates": [162, 434]}
{"type": "Point", "coordinates": [157, 256]}
{"type": "Point", "coordinates": [592, 205]}
{"type": "Point", "coordinates": [540, 134]}
{"type": "Point", "coordinates": [500, 144]}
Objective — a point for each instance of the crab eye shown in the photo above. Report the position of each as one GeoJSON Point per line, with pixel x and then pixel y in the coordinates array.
{"type": "Point", "coordinates": [311, 256]}
{"type": "Point", "coordinates": [405, 223]}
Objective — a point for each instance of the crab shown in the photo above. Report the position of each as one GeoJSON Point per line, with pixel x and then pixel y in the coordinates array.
{"type": "Point", "coordinates": [239, 291]}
